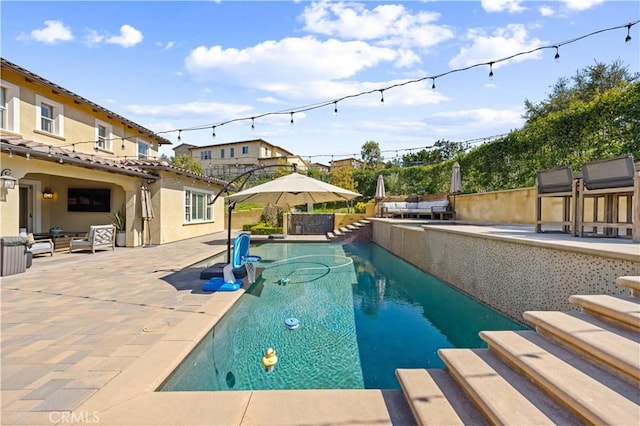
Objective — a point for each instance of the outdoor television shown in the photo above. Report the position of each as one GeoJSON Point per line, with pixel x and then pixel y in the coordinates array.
{"type": "Point", "coordinates": [89, 200]}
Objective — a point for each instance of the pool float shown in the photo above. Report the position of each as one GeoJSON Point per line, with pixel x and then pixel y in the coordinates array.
{"type": "Point", "coordinates": [269, 360]}
{"type": "Point", "coordinates": [292, 323]}
{"type": "Point", "coordinates": [240, 253]}
{"type": "Point", "coordinates": [218, 284]}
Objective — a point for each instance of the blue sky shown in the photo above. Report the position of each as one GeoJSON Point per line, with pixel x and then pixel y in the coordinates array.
{"type": "Point", "coordinates": [176, 65]}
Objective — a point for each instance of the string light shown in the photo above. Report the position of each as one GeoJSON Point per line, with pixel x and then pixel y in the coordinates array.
{"type": "Point", "coordinates": [253, 125]}
{"type": "Point", "coordinates": [433, 85]}
{"type": "Point", "coordinates": [122, 146]}
{"type": "Point", "coordinates": [213, 132]}
{"type": "Point", "coordinates": [28, 155]}
{"type": "Point", "coordinates": [49, 154]}
{"type": "Point", "coordinates": [10, 153]}
{"type": "Point", "coordinates": [418, 80]}
{"type": "Point", "coordinates": [557, 56]}
{"type": "Point", "coordinates": [335, 107]}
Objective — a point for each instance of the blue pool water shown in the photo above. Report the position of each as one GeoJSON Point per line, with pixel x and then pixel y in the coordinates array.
{"type": "Point", "coordinates": [363, 312]}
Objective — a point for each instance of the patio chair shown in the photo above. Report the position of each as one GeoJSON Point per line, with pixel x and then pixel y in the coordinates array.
{"type": "Point", "coordinates": [611, 181]}
{"type": "Point", "coordinates": [99, 237]}
{"type": "Point", "coordinates": [556, 183]}
{"type": "Point", "coordinates": [39, 245]}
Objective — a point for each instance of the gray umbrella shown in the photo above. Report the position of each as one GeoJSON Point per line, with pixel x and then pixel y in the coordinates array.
{"type": "Point", "coordinates": [456, 184]}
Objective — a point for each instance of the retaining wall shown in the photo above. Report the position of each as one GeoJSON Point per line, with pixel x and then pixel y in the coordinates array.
{"type": "Point", "coordinates": [512, 275]}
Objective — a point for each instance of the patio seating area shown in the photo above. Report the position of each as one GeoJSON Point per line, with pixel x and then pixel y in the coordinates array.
{"type": "Point", "coordinates": [603, 199]}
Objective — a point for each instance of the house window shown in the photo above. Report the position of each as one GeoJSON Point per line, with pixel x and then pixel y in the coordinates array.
{"type": "Point", "coordinates": [205, 155]}
{"type": "Point", "coordinates": [222, 153]}
{"type": "Point", "coordinates": [9, 106]}
{"type": "Point", "coordinates": [49, 116]}
{"type": "Point", "coordinates": [3, 108]}
{"type": "Point", "coordinates": [245, 149]}
{"type": "Point", "coordinates": [196, 206]}
{"type": "Point", "coordinates": [232, 152]}
{"type": "Point", "coordinates": [103, 136]}
{"type": "Point", "coordinates": [143, 150]}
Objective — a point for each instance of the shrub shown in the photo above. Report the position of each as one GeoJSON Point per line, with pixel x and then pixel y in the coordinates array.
{"type": "Point", "coordinates": [361, 207]}
{"type": "Point", "coordinates": [248, 226]}
{"type": "Point", "coordinates": [264, 229]}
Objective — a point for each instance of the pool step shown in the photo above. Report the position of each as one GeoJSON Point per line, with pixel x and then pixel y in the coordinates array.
{"type": "Point", "coordinates": [615, 349]}
{"type": "Point", "coordinates": [630, 282]}
{"type": "Point", "coordinates": [620, 309]}
{"type": "Point", "coordinates": [577, 367]}
{"type": "Point", "coordinates": [500, 393]}
{"type": "Point", "coordinates": [592, 394]}
{"type": "Point", "coordinates": [355, 231]}
{"type": "Point", "coordinates": [435, 399]}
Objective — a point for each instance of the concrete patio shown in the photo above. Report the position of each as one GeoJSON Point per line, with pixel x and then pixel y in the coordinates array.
{"type": "Point", "coordinates": [87, 338]}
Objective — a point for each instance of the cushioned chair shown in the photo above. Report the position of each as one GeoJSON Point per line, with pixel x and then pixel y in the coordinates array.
{"type": "Point", "coordinates": [99, 237]}
{"type": "Point", "coordinates": [37, 246]}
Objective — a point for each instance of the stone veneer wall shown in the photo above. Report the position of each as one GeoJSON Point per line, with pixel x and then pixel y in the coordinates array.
{"type": "Point", "coordinates": [510, 276]}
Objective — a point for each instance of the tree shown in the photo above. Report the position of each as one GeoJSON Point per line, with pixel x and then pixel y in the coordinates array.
{"type": "Point", "coordinates": [187, 162]}
{"type": "Point", "coordinates": [371, 154]}
{"type": "Point", "coordinates": [343, 177]}
{"type": "Point", "coordinates": [584, 86]}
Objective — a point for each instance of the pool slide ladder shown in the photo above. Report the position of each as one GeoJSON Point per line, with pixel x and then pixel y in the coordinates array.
{"type": "Point", "coordinates": [579, 367]}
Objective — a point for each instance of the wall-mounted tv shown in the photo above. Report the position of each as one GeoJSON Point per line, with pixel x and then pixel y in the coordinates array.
{"type": "Point", "coordinates": [89, 200]}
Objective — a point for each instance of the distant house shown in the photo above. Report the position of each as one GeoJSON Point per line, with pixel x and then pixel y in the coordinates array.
{"type": "Point", "coordinates": [228, 160]}
{"type": "Point", "coordinates": [322, 168]}
{"type": "Point", "coordinates": [347, 162]}
{"type": "Point", "coordinates": [76, 163]}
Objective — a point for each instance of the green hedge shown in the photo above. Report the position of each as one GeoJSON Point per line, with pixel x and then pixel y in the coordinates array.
{"type": "Point", "coordinates": [248, 226]}
{"type": "Point", "coordinates": [263, 229]}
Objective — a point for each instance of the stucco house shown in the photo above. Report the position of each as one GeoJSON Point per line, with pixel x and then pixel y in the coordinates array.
{"type": "Point", "coordinates": [230, 159]}
{"type": "Point", "coordinates": [74, 163]}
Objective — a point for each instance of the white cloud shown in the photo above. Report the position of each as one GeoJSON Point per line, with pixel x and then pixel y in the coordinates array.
{"type": "Point", "coordinates": [288, 60]}
{"type": "Point", "coordinates": [389, 25]}
{"type": "Point", "coordinates": [502, 43]}
{"type": "Point", "coordinates": [582, 4]}
{"type": "Point", "coordinates": [129, 36]}
{"type": "Point", "coordinates": [546, 11]}
{"type": "Point", "coordinates": [93, 37]}
{"type": "Point", "coordinates": [209, 109]}
{"type": "Point", "coordinates": [166, 46]}
{"type": "Point", "coordinates": [482, 117]}
{"type": "Point", "coordinates": [511, 6]}
{"type": "Point", "coordinates": [52, 33]}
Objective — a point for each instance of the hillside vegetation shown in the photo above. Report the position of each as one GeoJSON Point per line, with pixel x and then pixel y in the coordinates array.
{"type": "Point", "coordinates": [591, 116]}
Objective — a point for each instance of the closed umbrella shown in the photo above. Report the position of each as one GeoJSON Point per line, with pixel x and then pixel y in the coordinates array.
{"type": "Point", "coordinates": [380, 194]}
{"type": "Point", "coordinates": [456, 183]}
{"type": "Point", "coordinates": [147, 211]}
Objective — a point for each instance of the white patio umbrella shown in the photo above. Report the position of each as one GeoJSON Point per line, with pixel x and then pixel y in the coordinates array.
{"type": "Point", "coordinates": [147, 211]}
{"type": "Point", "coordinates": [456, 183]}
{"type": "Point", "coordinates": [380, 191]}
{"type": "Point", "coordinates": [293, 190]}
{"type": "Point", "coordinates": [380, 194]}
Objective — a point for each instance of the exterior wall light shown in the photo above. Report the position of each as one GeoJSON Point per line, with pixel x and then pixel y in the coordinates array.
{"type": "Point", "coordinates": [8, 181]}
{"type": "Point", "coordinates": [47, 193]}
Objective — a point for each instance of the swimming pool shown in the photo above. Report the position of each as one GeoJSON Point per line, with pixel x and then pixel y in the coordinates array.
{"type": "Point", "coordinates": [363, 312]}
